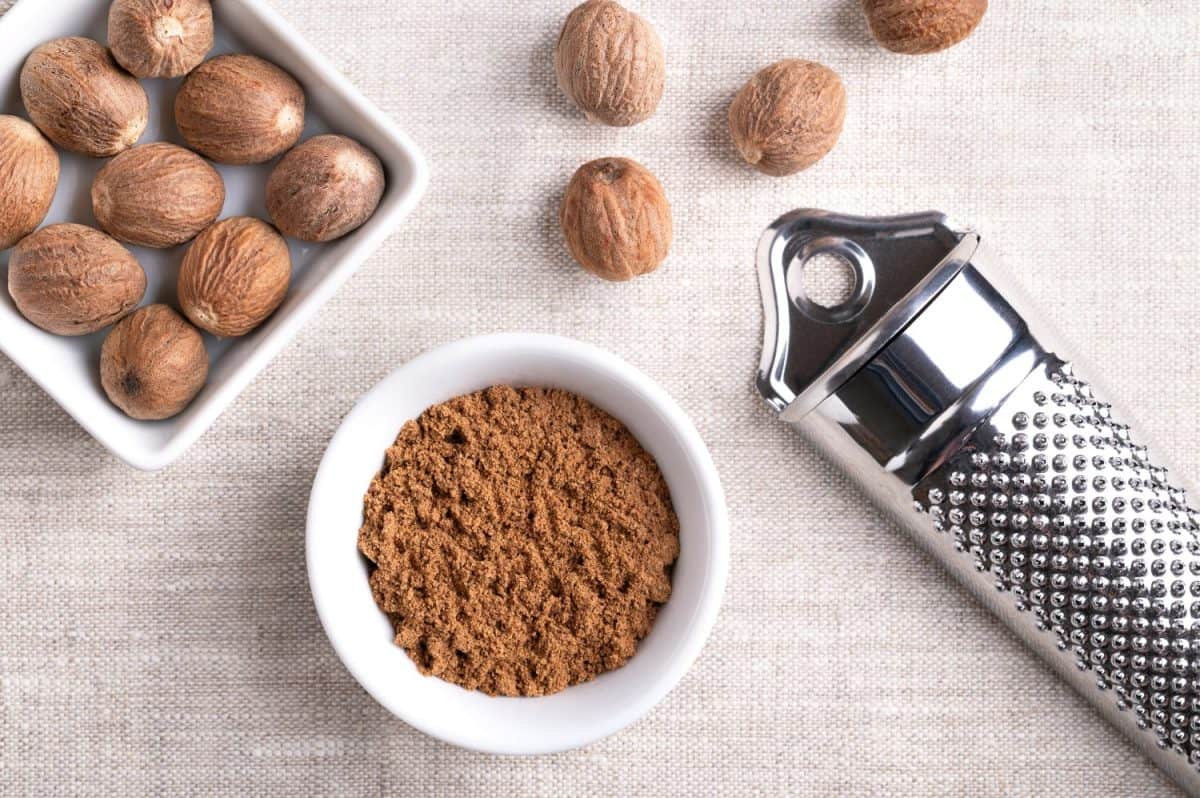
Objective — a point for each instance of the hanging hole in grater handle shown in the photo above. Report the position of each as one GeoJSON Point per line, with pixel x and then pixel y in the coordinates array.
{"type": "Point", "coordinates": [899, 263]}
{"type": "Point", "coordinates": [831, 280]}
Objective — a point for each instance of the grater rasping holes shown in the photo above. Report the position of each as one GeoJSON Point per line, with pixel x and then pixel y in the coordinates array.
{"type": "Point", "coordinates": [1054, 501]}
{"type": "Point", "coordinates": [937, 386]}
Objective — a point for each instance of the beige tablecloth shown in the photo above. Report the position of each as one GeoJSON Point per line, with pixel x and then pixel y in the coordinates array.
{"type": "Point", "coordinates": [156, 631]}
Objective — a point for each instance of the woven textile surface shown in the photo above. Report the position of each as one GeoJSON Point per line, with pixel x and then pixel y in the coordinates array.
{"type": "Point", "coordinates": [156, 631]}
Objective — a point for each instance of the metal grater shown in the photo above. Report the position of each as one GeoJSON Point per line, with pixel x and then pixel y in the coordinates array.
{"type": "Point", "coordinates": [938, 388]}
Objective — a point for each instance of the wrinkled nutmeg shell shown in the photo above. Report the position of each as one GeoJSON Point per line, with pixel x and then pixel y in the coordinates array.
{"type": "Point", "coordinates": [160, 38]}
{"type": "Point", "coordinates": [610, 63]}
{"type": "Point", "coordinates": [157, 195]}
{"type": "Point", "coordinates": [234, 275]}
{"type": "Point", "coordinates": [616, 219]}
{"type": "Point", "coordinates": [788, 117]}
{"type": "Point", "coordinates": [240, 109]}
{"type": "Point", "coordinates": [153, 363]}
{"type": "Point", "coordinates": [915, 27]}
{"type": "Point", "coordinates": [77, 95]}
{"type": "Point", "coordinates": [69, 279]}
{"type": "Point", "coordinates": [28, 179]}
{"type": "Point", "coordinates": [325, 188]}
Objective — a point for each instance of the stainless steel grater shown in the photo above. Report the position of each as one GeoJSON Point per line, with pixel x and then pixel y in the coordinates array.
{"type": "Point", "coordinates": [939, 389]}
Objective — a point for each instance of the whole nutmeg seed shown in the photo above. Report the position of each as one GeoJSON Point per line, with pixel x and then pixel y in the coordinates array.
{"type": "Point", "coordinates": [915, 27]}
{"type": "Point", "coordinates": [77, 95]}
{"type": "Point", "coordinates": [69, 279]}
{"type": "Point", "coordinates": [240, 109]}
{"type": "Point", "coordinates": [788, 117]}
{"type": "Point", "coordinates": [160, 38]}
{"type": "Point", "coordinates": [157, 195]}
{"type": "Point", "coordinates": [616, 219]}
{"type": "Point", "coordinates": [324, 188]}
{"type": "Point", "coordinates": [153, 363]}
{"type": "Point", "coordinates": [234, 275]}
{"type": "Point", "coordinates": [28, 179]}
{"type": "Point", "coordinates": [610, 63]}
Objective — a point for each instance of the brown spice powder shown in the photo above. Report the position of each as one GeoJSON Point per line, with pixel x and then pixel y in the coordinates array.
{"type": "Point", "coordinates": [521, 541]}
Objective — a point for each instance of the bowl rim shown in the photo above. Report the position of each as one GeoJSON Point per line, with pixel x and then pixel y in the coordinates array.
{"type": "Point", "coordinates": [701, 619]}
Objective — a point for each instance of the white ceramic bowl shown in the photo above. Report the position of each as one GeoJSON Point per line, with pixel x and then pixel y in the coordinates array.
{"type": "Point", "coordinates": [68, 369]}
{"type": "Point", "coordinates": [362, 635]}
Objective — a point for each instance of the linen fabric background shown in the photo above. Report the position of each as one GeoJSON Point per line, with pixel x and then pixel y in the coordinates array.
{"type": "Point", "coordinates": [156, 630]}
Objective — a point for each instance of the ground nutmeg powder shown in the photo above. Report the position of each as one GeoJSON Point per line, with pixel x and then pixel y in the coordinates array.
{"type": "Point", "coordinates": [521, 541]}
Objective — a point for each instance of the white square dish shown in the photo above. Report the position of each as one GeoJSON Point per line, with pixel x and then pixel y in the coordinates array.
{"type": "Point", "coordinates": [68, 368]}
